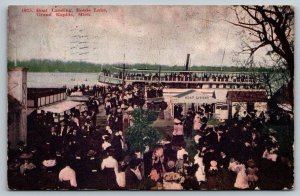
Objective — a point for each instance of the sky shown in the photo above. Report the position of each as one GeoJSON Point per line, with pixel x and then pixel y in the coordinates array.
{"type": "Point", "coordinates": [126, 34]}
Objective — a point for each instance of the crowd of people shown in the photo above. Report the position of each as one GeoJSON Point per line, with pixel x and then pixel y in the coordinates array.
{"type": "Point", "coordinates": [153, 92]}
{"type": "Point", "coordinates": [193, 80]}
{"type": "Point", "coordinates": [235, 155]}
{"type": "Point", "coordinates": [78, 154]}
{"type": "Point", "coordinates": [184, 76]}
{"type": "Point", "coordinates": [63, 154]}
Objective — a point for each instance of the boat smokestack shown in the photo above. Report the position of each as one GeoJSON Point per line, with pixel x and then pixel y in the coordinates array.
{"type": "Point", "coordinates": [187, 62]}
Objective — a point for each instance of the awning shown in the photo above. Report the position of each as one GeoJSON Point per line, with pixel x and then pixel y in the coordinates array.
{"type": "Point", "coordinates": [192, 96]}
{"type": "Point", "coordinates": [155, 99]}
{"type": "Point", "coordinates": [77, 93]}
{"type": "Point", "coordinates": [286, 107]}
{"type": "Point", "coordinates": [78, 98]}
{"type": "Point", "coordinates": [61, 107]}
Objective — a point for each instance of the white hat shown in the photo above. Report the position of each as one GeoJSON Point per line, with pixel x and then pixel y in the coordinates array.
{"type": "Point", "coordinates": [49, 163]}
{"type": "Point", "coordinates": [180, 153]}
{"type": "Point", "coordinates": [109, 131]}
{"type": "Point", "coordinates": [176, 120]}
{"type": "Point", "coordinates": [196, 138]}
{"type": "Point", "coordinates": [130, 109]}
{"type": "Point", "coordinates": [271, 130]}
{"type": "Point", "coordinates": [213, 163]}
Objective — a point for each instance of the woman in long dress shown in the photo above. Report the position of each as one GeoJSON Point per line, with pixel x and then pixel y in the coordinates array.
{"type": "Point", "coordinates": [109, 167]}
{"type": "Point", "coordinates": [178, 135]}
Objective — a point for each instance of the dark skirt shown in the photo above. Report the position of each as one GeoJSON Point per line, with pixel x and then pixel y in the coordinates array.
{"type": "Point", "coordinates": [109, 179]}
{"type": "Point", "coordinates": [178, 140]}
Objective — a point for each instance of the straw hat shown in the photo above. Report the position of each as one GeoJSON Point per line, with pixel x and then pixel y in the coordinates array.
{"type": "Point", "coordinates": [177, 121]}
{"type": "Point", "coordinates": [91, 153]}
{"type": "Point", "coordinates": [49, 163]}
{"type": "Point", "coordinates": [272, 131]}
{"type": "Point", "coordinates": [213, 163]}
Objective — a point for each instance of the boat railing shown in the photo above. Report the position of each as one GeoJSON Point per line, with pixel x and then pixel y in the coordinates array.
{"type": "Point", "coordinates": [184, 79]}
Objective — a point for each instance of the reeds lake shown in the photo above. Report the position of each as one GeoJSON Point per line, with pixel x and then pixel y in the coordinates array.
{"type": "Point", "coordinates": [59, 79]}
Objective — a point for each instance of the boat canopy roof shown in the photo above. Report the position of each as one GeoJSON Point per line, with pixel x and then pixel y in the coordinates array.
{"type": "Point", "coordinates": [181, 71]}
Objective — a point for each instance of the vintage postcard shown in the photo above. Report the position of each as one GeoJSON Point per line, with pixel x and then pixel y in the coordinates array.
{"type": "Point", "coordinates": [150, 97]}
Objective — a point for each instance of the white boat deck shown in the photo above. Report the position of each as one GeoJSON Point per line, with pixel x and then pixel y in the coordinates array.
{"type": "Point", "coordinates": [61, 107]}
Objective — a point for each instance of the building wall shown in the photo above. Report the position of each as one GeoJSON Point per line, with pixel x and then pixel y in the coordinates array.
{"type": "Point", "coordinates": [259, 106]}
{"type": "Point", "coordinates": [205, 86]}
{"type": "Point", "coordinates": [17, 88]}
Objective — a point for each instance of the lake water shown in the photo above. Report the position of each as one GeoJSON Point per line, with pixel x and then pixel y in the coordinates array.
{"type": "Point", "coordinates": [56, 80]}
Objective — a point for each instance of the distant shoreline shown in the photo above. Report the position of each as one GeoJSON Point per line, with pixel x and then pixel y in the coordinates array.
{"type": "Point", "coordinates": [58, 66]}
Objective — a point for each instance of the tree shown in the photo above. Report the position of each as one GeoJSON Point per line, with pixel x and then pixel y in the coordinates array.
{"type": "Point", "coordinates": [272, 27]}
{"type": "Point", "coordinates": [141, 134]}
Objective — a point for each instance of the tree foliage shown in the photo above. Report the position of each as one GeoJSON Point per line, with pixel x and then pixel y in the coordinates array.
{"type": "Point", "coordinates": [141, 134]}
{"type": "Point", "coordinates": [45, 65]}
{"type": "Point", "coordinates": [271, 27]}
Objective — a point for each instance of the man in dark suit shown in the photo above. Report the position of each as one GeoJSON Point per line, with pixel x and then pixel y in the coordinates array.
{"type": "Point", "coordinates": [133, 175]}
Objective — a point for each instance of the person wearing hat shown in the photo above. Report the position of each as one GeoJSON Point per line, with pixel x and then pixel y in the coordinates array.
{"type": "Point", "coordinates": [118, 144]}
{"type": "Point", "coordinates": [119, 119]}
{"type": "Point", "coordinates": [67, 177]}
{"type": "Point", "coordinates": [92, 162]}
{"type": "Point", "coordinates": [21, 147]}
{"type": "Point", "coordinates": [270, 152]}
{"type": "Point", "coordinates": [121, 179]}
{"type": "Point", "coordinates": [107, 106]}
{"type": "Point", "coordinates": [203, 121]}
{"type": "Point", "coordinates": [170, 165]}
{"type": "Point", "coordinates": [48, 175]}
{"type": "Point", "coordinates": [188, 125]}
{"type": "Point", "coordinates": [126, 121]}
{"type": "Point", "coordinates": [197, 124]}
{"type": "Point", "coordinates": [178, 137]}
{"type": "Point", "coordinates": [124, 106]}
{"type": "Point", "coordinates": [212, 174]}
{"type": "Point", "coordinates": [200, 173]}
{"type": "Point", "coordinates": [241, 181]}
{"type": "Point", "coordinates": [108, 130]}
{"type": "Point", "coordinates": [133, 175]}
{"type": "Point", "coordinates": [182, 159]}
{"type": "Point", "coordinates": [53, 138]}
{"type": "Point", "coordinates": [158, 161]}
{"type": "Point", "coordinates": [26, 167]}
{"type": "Point", "coordinates": [106, 142]}
{"type": "Point", "coordinates": [62, 130]}
{"type": "Point", "coordinates": [130, 109]}
{"type": "Point", "coordinates": [252, 174]}
{"type": "Point", "coordinates": [211, 136]}
{"type": "Point", "coordinates": [111, 120]}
